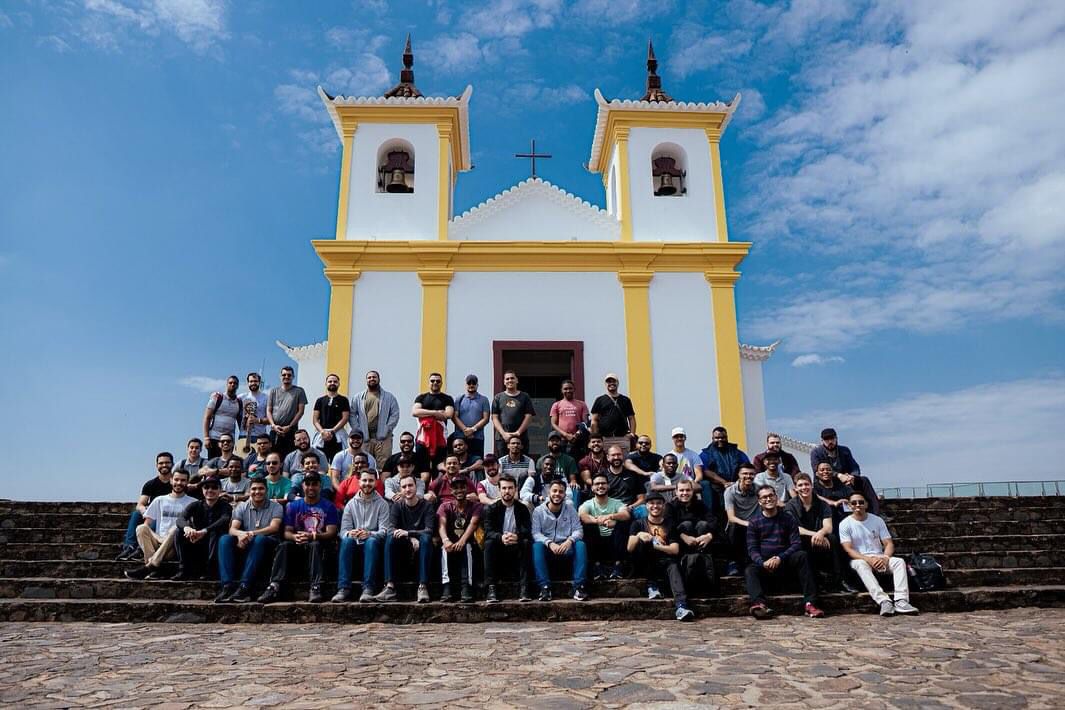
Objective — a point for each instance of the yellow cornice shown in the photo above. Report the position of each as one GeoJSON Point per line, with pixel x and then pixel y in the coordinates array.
{"type": "Point", "coordinates": [719, 259]}
{"type": "Point", "coordinates": [620, 122]}
{"type": "Point", "coordinates": [446, 119]}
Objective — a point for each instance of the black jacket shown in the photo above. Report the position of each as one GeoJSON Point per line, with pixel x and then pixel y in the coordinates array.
{"type": "Point", "coordinates": [695, 511]}
{"type": "Point", "coordinates": [215, 520]}
{"type": "Point", "coordinates": [493, 520]}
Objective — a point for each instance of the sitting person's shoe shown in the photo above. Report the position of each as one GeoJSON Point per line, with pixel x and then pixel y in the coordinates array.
{"type": "Point", "coordinates": [813, 612]}
{"type": "Point", "coordinates": [466, 595]}
{"type": "Point", "coordinates": [271, 594]}
{"type": "Point", "coordinates": [139, 572]}
{"type": "Point", "coordinates": [182, 576]}
{"type": "Point", "coordinates": [887, 608]}
{"type": "Point", "coordinates": [367, 595]}
{"type": "Point", "coordinates": [732, 570]}
{"type": "Point", "coordinates": [343, 595]}
{"type": "Point", "coordinates": [524, 595]}
{"type": "Point", "coordinates": [848, 587]}
{"type": "Point", "coordinates": [579, 594]}
{"type": "Point", "coordinates": [684, 613]}
{"type": "Point", "coordinates": [315, 595]}
{"type": "Point", "coordinates": [445, 592]}
{"type": "Point", "coordinates": [423, 593]}
{"type": "Point", "coordinates": [226, 592]}
{"type": "Point", "coordinates": [126, 553]}
{"type": "Point", "coordinates": [388, 594]}
{"type": "Point", "coordinates": [903, 606]}
{"type": "Point", "coordinates": [616, 572]}
{"type": "Point", "coordinates": [545, 594]}
{"type": "Point", "coordinates": [243, 596]}
{"type": "Point", "coordinates": [491, 597]}
{"type": "Point", "coordinates": [598, 572]}
{"type": "Point", "coordinates": [652, 592]}
{"type": "Point", "coordinates": [761, 611]}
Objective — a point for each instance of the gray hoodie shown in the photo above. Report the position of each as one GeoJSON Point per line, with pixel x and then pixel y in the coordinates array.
{"type": "Point", "coordinates": [367, 513]}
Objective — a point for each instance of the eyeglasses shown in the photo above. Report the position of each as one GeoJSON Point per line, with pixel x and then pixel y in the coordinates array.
{"type": "Point", "coordinates": [766, 498]}
{"type": "Point", "coordinates": [857, 503]}
{"type": "Point", "coordinates": [273, 463]}
{"type": "Point", "coordinates": [225, 441]}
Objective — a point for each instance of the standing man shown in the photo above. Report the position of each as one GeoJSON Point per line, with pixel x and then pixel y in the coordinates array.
{"type": "Point", "coordinates": [567, 416]}
{"type": "Point", "coordinates": [774, 445]}
{"type": "Point", "coordinates": [330, 419]}
{"type": "Point", "coordinates": [165, 511]}
{"type": "Point", "coordinates": [284, 408]}
{"type": "Point", "coordinates": [867, 541]}
{"type": "Point", "coordinates": [253, 536]}
{"type": "Point", "coordinates": [558, 535]}
{"type": "Point", "coordinates": [512, 413]}
{"type": "Point", "coordinates": [655, 549]}
{"type": "Point", "coordinates": [721, 461]}
{"type": "Point", "coordinates": [457, 521]}
{"type": "Point", "coordinates": [472, 414]}
{"type": "Point", "coordinates": [411, 519]}
{"type": "Point", "coordinates": [507, 540]}
{"type": "Point", "coordinates": [613, 416]}
{"type": "Point", "coordinates": [375, 414]}
{"type": "Point", "coordinates": [221, 416]}
{"type": "Point", "coordinates": [433, 410]}
{"type": "Point", "coordinates": [604, 537]}
{"type": "Point", "coordinates": [846, 468]}
{"type": "Point", "coordinates": [253, 403]}
{"type": "Point", "coordinates": [199, 529]}
{"type": "Point", "coordinates": [157, 486]}
{"type": "Point", "coordinates": [363, 527]}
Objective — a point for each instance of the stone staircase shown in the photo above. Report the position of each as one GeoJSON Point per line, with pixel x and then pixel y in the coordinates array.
{"type": "Point", "coordinates": [56, 565]}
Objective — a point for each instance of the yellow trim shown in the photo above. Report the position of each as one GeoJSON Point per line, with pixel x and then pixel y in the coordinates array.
{"type": "Point", "coordinates": [353, 115]}
{"type": "Point", "coordinates": [714, 137]}
{"type": "Point", "coordinates": [624, 194]}
{"type": "Point", "coordinates": [341, 303]}
{"type": "Point", "coordinates": [727, 350]}
{"type": "Point", "coordinates": [635, 287]}
{"type": "Point", "coordinates": [345, 180]}
{"type": "Point", "coordinates": [620, 122]}
{"type": "Point", "coordinates": [435, 284]}
{"type": "Point", "coordinates": [443, 195]}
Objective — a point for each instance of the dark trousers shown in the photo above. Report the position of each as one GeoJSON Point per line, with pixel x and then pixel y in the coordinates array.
{"type": "Point", "coordinates": [458, 565]}
{"type": "Point", "coordinates": [737, 539]}
{"type": "Point", "coordinates": [244, 565]}
{"type": "Point", "coordinates": [499, 558]}
{"type": "Point", "coordinates": [311, 554]}
{"type": "Point", "coordinates": [659, 567]}
{"type": "Point", "coordinates": [795, 565]}
{"type": "Point", "coordinates": [283, 444]}
{"type": "Point", "coordinates": [826, 560]}
{"type": "Point", "coordinates": [399, 550]}
{"type": "Point", "coordinates": [196, 557]}
{"type": "Point", "coordinates": [502, 450]}
{"type": "Point", "coordinates": [476, 447]}
{"type": "Point", "coordinates": [331, 449]}
{"type": "Point", "coordinates": [610, 549]}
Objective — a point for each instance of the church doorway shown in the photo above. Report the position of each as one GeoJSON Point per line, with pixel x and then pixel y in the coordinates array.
{"type": "Point", "coordinates": [541, 366]}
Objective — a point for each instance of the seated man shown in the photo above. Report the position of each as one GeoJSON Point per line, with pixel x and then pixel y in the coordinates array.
{"type": "Point", "coordinates": [310, 465]}
{"type": "Point", "coordinates": [393, 484]}
{"type": "Point", "coordinates": [235, 484]}
{"type": "Point", "coordinates": [442, 488]}
{"type": "Point", "coordinates": [623, 484]}
{"type": "Point", "coordinates": [516, 463]}
{"type": "Point", "coordinates": [820, 543]}
{"type": "Point", "coordinates": [654, 549]}
{"type": "Point", "coordinates": [776, 553]}
{"type": "Point", "coordinates": [773, 444]}
{"type": "Point", "coordinates": [422, 466]}
{"type": "Point", "coordinates": [457, 519]}
{"type": "Point", "coordinates": [832, 491]}
{"type": "Point", "coordinates": [352, 483]}
{"type": "Point", "coordinates": [507, 540]}
{"type": "Point", "coordinates": [558, 535]}
{"type": "Point", "coordinates": [665, 481]}
{"type": "Point", "coordinates": [721, 461]}
{"type": "Point", "coordinates": [292, 464]}
{"type": "Point", "coordinates": [278, 484]}
{"type": "Point", "coordinates": [606, 529]}
{"type": "Point", "coordinates": [846, 468]}
{"type": "Point", "coordinates": [363, 527]}
{"type": "Point", "coordinates": [741, 502]}
{"type": "Point", "coordinates": [488, 488]}
{"type": "Point", "coordinates": [696, 524]}
{"type": "Point", "coordinates": [411, 519]}
{"type": "Point", "coordinates": [216, 466]}
{"type": "Point", "coordinates": [341, 467]}
{"type": "Point", "coordinates": [595, 460]}
{"type": "Point", "coordinates": [643, 462]}
{"type": "Point", "coordinates": [470, 465]}
{"type": "Point", "coordinates": [253, 535]}
{"type": "Point", "coordinates": [774, 477]}
{"type": "Point", "coordinates": [534, 490]}
{"type": "Point", "coordinates": [163, 514]}
{"type": "Point", "coordinates": [255, 462]}
{"type": "Point", "coordinates": [310, 531]}
{"type": "Point", "coordinates": [866, 539]}
{"type": "Point", "coordinates": [158, 486]}
{"type": "Point", "coordinates": [565, 465]}
{"type": "Point", "coordinates": [199, 529]}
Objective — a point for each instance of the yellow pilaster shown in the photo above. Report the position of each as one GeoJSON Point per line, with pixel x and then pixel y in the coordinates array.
{"type": "Point", "coordinates": [727, 347]}
{"type": "Point", "coordinates": [345, 179]}
{"type": "Point", "coordinates": [635, 286]}
{"type": "Point", "coordinates": [714, 136]}
{"type": "Point", "coordinates": [624, 195]}
{"type": "Point", "coordinates": [443, 132]}
{"type": "Point", "coordinates": [435, 283]}
{"type": "Point", "coordinates": [341, 302]}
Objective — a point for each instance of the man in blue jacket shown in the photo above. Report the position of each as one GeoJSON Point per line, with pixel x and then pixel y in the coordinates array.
{"type": "Point", "coordinates": [720, 461]}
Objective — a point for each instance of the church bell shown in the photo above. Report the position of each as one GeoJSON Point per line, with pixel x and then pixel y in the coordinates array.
{"type": "Point", "coordinates": [668, 179]}
{"type": "Point", "coordinates": [394, 172]}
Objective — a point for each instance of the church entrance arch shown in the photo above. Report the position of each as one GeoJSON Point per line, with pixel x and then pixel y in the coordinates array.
{"type": "Point", "coordinates": [541, 365]}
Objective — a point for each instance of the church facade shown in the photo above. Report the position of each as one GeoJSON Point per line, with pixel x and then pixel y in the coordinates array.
{"type": "Point", "coordinates": [534, 279]}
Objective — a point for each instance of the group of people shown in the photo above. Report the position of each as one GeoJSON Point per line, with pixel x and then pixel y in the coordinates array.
{"type": "Point", "coordinates": [600, 504]}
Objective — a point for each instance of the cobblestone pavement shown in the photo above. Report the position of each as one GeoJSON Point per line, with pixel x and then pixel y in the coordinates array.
{"type": "Point", "coordinates": [1005, 659]}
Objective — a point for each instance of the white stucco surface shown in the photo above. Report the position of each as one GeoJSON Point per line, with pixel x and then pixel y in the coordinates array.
{"type": "Point", "coordinates": [754, 405]}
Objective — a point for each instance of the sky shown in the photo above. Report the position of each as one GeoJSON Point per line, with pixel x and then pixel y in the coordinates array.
{"type": "Point", "coordinates": [898, 167]}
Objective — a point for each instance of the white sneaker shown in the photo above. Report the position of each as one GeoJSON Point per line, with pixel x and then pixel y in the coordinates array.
{"type": "Point", "coordinates": [652, 592]}
{"type": "Point", "coordinates": [887, 608]}
{"type": "Point", "coordinates": [904, 607]}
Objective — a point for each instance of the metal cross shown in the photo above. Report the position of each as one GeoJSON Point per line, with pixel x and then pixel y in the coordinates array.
{"type": "Point", "coordinates": [533, 155]}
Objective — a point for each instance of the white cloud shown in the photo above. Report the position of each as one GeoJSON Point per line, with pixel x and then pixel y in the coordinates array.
{"type": "Point", "coordinates": [199, 23]}
{"type": "Point", "coordinates": [55, 43]}
{"type": "Point", "coordinates": [816, 359]}
{"type": "Point", "coordinates": [5, 21]}
{"type": "Point", "coordinates": [511, 18]}
{"type": "Point", "coordinates": [954, 436]}
{"type": "Point", "coordinates": [452, 53]}
{"type": "Point", "coordinates": [617, 12]}
{"type": "Point", "coordinates": [532, 95]}
{"type": "Point", "coordinates": [203, 384]}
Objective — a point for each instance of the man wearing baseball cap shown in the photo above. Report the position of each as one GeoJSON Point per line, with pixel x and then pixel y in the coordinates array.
{"type": "Point", "coordinates": [473, 411]}
{"type": "Point", "coordinates": [655, 550]}
{"type": "Point", "coordinates": [613, 416]}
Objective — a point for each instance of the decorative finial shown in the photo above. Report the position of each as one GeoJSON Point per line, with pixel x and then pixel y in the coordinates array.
{"type": "Point", "coordinates": [405, 87]}
{"type": "Point", "coordinates": [654, 82]}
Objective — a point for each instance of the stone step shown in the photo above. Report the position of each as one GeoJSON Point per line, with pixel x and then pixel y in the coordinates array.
{"type": "Point", "coordinates": [146, 611]}
{"type": "Point", "coordinates": [28, 535]}
{"type": "Point", "coordinates": [949, 528]}
{"type": "Point", "coordinates": [1016, 513]}
{"type": "Point", "coordinates": [47, 507]}
{"type": "Point", "coordinates": [964, 543]}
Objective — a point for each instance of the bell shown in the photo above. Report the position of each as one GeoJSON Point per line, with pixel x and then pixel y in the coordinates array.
{"type": "Point", "coordinates": [666, 187]}
{"type": "Point", "coordinates": [397, 181]}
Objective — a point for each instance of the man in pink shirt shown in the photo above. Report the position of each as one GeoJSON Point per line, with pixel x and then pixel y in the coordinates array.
{"type": "Point", "coordinates": [567, 415]}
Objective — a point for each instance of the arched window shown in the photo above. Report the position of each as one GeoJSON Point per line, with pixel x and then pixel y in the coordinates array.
{"type": "Point", "coordinates": [395, 167]}
{"type": "Point", "coordinates": [669, 167]}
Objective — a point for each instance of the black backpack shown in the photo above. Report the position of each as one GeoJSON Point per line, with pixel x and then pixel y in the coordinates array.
{"type": "Point", "coordinates": [926, 573]}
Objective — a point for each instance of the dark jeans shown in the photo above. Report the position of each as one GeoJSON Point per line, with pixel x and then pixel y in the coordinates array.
{"type": "Point", "coordinates": [798, 564]}
{"type": "Point", "coordinates": [476, 447]}
{"type": "Point", "coordinates": [289, 553]}
{"type": "Point", "coordinates": [283, 444]}
{"type": "Point", "coordinates": [697, 568]}
{"type": "Point", "coordinates": [331, 449]}
{"type": "Point", "coordinates": [737, 538]}
{"type": "Point", "coordinates": [260, 550]}
{"type": "Point", "coordinates": [498, 556]}
{"type": "Point", "coordinates": [401, 548]}
{"type": "Point", "coordinates": [135, 519]}
{"type": "Point", "coordinates": [827, 560]}
{"type": "Point", "coordinates": [659, 567]}
{"type": "Point", "coordinates": [198, 556]}
{"type": "Point", "coordinates": [608, 549]}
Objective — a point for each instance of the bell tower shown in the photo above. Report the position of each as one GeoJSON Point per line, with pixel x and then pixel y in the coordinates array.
{"type": "Point", "coordinates": [402, 153]}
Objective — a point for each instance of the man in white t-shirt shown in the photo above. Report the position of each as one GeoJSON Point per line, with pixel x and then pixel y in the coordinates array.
{"type": "Point", "coordinates": [164, 511]}
{"type": "Point", "coordinates": [866, 539]}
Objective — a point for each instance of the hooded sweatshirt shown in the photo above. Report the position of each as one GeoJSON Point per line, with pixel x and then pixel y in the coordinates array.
{"type": "Point", "coordinates": [371, 514]}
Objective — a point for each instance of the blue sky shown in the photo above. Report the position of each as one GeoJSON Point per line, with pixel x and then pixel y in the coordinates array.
{"type": "Point", "coordinates": [900, 169]}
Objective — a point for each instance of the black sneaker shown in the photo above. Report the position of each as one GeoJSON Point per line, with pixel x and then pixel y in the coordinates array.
{"type": "Point", "coordinates": [270, 595]}
{"type": "Point", "coordinates": [616, 572]}
{"type": "Point", "coordinates": [139, 572]}
{"type": "Point", "coordinates": [466, 596]}
{"type": "Point", "coordinates": [491, 597]}
{"type": "Point", "coordinates": [445, 593]}
{"type": "Point", "coordinates": [545, 594]}
{"type": "Point", "coordinates": [227, 591]}
{"type": "Point", "coordinates": [243, 596]}
{"type": "Point", "coordinates": [598, 573]}
{"type": "Point", "coordinates": [127, 553]}
{"type": "Point", "coordinates": [182, 576]}
{"type": "Point", "coordinates": [524, 595]}
{"type": "Point", "coordinates": [315, 597]}
{"type": "Point", "coordinates": [579, 594]}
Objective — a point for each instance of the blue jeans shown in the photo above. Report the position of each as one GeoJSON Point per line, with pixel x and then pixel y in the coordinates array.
{"type": "Point", "coordinates": [262, 547]}
{"type": "Point", "coordinates": [542, 556]}
{"type": "Point", "coordinates": [370, 552]}
{"type": "Point", "coordinates": [395, 546]}
{"type": "Point", "coordinates": [135, 519]}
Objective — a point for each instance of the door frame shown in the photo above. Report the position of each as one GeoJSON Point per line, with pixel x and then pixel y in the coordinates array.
{"type": "Point", "coordinates": [575, 347]}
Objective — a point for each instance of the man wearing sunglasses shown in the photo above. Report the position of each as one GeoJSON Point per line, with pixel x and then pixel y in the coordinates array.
{"type": "Point", "coordinates": [866, 539]}
{"type": "Point", "coordinates": [217, 465]}
{"type": "Point", "coordinates": [199, 529]}
{"type": "Point", "coordinates": [277, 483]}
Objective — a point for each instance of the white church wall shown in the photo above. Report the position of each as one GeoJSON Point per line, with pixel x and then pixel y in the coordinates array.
{"type": "Point", "coordinates": [687, 218]}
{"type": "Point", "coordinates": [483, 307]}
{"type": "Point", "coordinates": [381, 215]}
{"type": "Point", "coordinates": [754, 405]}
{"type": "Point", "coordinates": [310, 375]}
{"type": "Point", "coordinates": [683, 357]}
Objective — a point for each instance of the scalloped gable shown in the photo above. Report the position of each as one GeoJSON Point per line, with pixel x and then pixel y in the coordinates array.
{"type": "Point", "coordinates": [535, 210]}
